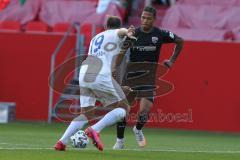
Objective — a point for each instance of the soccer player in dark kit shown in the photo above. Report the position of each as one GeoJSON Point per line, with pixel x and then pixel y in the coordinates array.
{"type": "Point", "coordinates": [147, 49]}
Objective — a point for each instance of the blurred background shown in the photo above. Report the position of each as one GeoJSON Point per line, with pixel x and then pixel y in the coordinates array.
{"type": "Point", "coordinates": [40, 39]}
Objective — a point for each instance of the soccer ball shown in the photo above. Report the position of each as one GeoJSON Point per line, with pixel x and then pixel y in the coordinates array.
{"type": "Point", "coordinates": [79, 139]}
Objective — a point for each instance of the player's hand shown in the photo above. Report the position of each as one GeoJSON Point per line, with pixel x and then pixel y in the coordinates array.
{"type": "Point", "coordinates": [114, 74]}
{"type": "Point", "coordinates": [130, 94]}
{"type": "Point", "coordinates": [131, 32]}
{"type": "Point", "coordinates": [131, 29]}
{"type": "Point", "coordinates": [126, 89]}
{"type": "Point", "coordinates": [167, 63]}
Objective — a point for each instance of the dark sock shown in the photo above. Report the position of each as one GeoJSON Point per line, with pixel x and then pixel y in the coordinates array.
{"type": "Point", "coordinates": [121, 128]}
{"type": "Point", "coordinates": [142, 119]}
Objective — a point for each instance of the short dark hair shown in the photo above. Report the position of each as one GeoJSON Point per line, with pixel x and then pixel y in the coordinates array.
{"type": "Point", "coordinates": [113, 22]}
{"type": "Point", "coordinates": [151, 10]}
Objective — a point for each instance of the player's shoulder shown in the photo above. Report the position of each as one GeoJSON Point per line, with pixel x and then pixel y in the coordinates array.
{"type": "Point", "coordinates": [160, 30]}
{"type": "Point", "coordinates": [166, 33]}
{"type": "Point", "coordinates": [109, 32]}
{"type": "Point", "coordinates": [156, 29]}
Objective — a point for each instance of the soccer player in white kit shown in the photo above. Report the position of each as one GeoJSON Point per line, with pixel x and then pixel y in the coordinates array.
{"type": "Point", "coordinates": [97, 83]}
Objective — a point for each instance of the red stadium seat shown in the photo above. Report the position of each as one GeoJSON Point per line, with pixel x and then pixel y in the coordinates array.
{"type": "Point", "coordinates": [92, 1]}
{"type": "Point", "coordinates": [62, 28]}
{"type": "Point", "coordinates": [36, 27]}
{"type": "Point", "coordinates": [201, 34]}
{"type": "Point", "coordinates": [4, 4]}
{"type": "Point", "coordinates": [10, 26]}
{"type": "Point", "coordinates": [211, 2]}
{"type": "Point", "coordinates": [229, 35]}
{"type": "Point", "coordinates": [86, 30]}
{"type": "Point", "coordinates": [99, 29]}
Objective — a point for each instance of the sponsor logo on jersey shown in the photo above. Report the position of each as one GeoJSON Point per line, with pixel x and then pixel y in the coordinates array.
{"type": "Point", "coordinates": [145, 48]}
{"type": "Point", "coordinates": [154, 40]}
{"type": "Point", "coordinates": [171, 35]}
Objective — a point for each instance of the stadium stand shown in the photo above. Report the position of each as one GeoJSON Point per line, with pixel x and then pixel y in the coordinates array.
{"type": "Point", "coordinates": [194, 20]}
{"type": "Point", "coordinates": [55, 16]}
{"type": "Point", "coordinates": [213, 20]}
{"type": "Point", "coordinates": [201, 34]}
{"type": "Point", "coordinates": [210, 2]}
{"type": "Point", "coordinates": [205, 17]}
{"type": "Point", "coordinates": [210, 17]}
{"type": "Point", "coordinates": [53, 12]}
{"type": "Point", "coordinates": [99, 29]}
{"type": "Point", "coordinates": [21, 13]}
{"type": "Point", "coordinates": [10, 26]}
{"type": "Point", "coordinates": [4, 4]}
{"type": "Point", "coordinates": [87, 31]}
{"type": "Point", "coordinates": [58, 11]}
{"type": "Point", "coordinates": [134, 20]}
{"type": "Point", "coordinates": [36, 27]}
{"type": "Point", "coordinates": [62, 27]}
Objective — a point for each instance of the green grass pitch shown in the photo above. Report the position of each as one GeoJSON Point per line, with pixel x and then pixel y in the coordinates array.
{"type": "Point", "coordinates": [35, 141]}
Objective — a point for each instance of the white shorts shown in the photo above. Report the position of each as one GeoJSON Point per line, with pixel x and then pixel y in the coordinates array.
{"type": "Point", "coordinates": [104, 89]}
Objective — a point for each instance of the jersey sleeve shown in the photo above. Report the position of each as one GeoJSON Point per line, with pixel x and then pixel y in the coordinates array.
{"type": "Point", "coordinates": [168, 37]}
{"type": "Point", "coordinates": [115, 32]}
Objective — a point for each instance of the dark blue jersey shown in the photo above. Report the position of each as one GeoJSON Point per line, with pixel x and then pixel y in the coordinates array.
{"type": "Point", "coordinates": [148, 45]}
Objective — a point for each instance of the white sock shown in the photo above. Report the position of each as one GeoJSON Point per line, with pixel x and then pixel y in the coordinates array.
{"type": "Point", "coordinates": [109, 119]}
{"type": "Point", "coordinates": [74, 126]}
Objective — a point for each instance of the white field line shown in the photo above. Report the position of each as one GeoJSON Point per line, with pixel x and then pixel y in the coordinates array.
{"type": "Point", "coordinates": [27, 145]}
{"type": "Point", "coordinates": [38, 147]}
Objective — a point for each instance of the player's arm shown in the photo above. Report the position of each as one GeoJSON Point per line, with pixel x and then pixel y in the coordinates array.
{"type": "Point", "coordinates": [178, 47]}
{"type": "Point", "coordinates": [169, 37]}
{"type": "Point", "coordinates": [122, 32]}
{"type": "Point", "coordinates": [129, 33]}
{"type": "Point", "coordinates": [127, 43]}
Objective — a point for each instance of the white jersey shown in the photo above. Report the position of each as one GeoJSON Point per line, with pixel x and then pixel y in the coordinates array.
{"type": "Point", "coordinates": [103, 49]}
{"type": "Point", "coordinates": [95, 78]}
{"type": "Point", "coordinates": [105, 46]}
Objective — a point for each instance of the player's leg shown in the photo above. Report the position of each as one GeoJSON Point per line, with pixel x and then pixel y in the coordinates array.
{"type": "Point", "coordinates": [111, 118]}
{"type": "Point", "coordinates": [76, 124]}
{"type": "Point", "coordinates": [87, 101]}
{"type": "Point", "coordinates": [120, 135]}
{"type": "Point", "coordinates": [145, 106]}
{"type": "Point", "coordinates": [122, 124]}
{"type": "Point", "coordinates": [116, 100]}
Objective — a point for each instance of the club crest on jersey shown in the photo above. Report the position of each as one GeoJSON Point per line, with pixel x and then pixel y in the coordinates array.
{"type": "Point", "coordinates": [154, 40]}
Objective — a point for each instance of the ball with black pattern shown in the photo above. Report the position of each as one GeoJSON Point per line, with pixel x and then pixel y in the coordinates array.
{"type": "Point", "coordinates": [79, 139]}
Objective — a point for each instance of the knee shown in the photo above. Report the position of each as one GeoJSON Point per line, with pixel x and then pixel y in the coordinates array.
{"type": "Point", "coordinates": [145, 106]}
{"type": "Point", "coordinates": [121, 113]}
{"type": "Point", "coordinates": [88, 112]}
{"type": "Point", "coordinates": [123, 104]}
{"type": "Point", "coordinates": [144, 110]}
{"type": "Point", "coordinates": [126, 109]}
{"type": "Point", "coordinates": [131, 97]}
